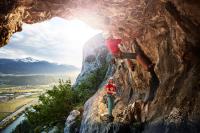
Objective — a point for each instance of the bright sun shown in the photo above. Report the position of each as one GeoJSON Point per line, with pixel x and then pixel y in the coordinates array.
{"type": "Point", "coordinates": [78, 32]}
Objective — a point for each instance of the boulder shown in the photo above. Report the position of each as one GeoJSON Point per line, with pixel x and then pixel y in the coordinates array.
{"type": "Point", "coordinates": [71, 124]}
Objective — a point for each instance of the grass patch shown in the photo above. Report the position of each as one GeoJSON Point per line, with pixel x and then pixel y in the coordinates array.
{"type": "Point", "coordinates": [23, 89]}
{"type": "Point", "coordinates": [23, 80]}
{"type": "Point", "coordinates": [6, 86]}
{"type": "Point", "coordinates": [3, 115]}
{"type": "Point", "coordinates": [11, 106]}
{"type": "Point", "coordinates": [14, 104]}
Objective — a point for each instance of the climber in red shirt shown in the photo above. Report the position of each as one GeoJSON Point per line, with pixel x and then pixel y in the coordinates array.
{"type": "Point", "coordinates": [110, 89]}
{"type": "Point", "coordinates": [113, 46]}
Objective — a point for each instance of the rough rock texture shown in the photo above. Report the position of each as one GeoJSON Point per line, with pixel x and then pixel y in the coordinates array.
{"type": "Point", "coordinates": [53, 130]}
{"type": "Point", "coordinates": [95, 56]}
{"type": "Point", "coordinates": [71, 125]}
{"type": "Point", "coordinates": [167, 31]}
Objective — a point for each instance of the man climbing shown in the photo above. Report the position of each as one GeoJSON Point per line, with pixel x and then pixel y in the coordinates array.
{"type": "Point", "coordinates": [110, 89]}
{"type": "Point", "coordinates": [114, 45]}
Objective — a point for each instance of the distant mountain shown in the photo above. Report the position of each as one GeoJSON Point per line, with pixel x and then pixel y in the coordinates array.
{"type": "Point", "coordinates": [28, 59]}
{"type": "Point", "coordinates": [32, 66]}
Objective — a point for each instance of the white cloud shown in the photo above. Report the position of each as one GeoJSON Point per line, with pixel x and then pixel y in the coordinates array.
{"type": "Point", "coordinates": [56, 40]}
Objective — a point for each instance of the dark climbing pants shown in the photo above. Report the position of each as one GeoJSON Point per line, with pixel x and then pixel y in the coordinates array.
{"type": "Point", "coordinates": [128, 56]}
{"type": "Point", "coordinates": [110, 99]}
{"type": "Point", "coordinates": [154, 83]}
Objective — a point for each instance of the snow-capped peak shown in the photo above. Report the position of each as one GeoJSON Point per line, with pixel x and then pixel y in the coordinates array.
{"type": "Point", "coordinates": [28, 59]}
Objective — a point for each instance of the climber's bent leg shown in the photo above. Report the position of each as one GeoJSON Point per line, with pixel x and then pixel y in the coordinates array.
{"type": "Point", "coordinates": [128, 55]}
{"type": "Point", "coordinates": [110, 104]}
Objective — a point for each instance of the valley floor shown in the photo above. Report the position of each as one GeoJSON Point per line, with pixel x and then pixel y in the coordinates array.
{"type": "Point", "coordinates": [14, 100]}
{"type": "Point", "coordinates": [15, 114]}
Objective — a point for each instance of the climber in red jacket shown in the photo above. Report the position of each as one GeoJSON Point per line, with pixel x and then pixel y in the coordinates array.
{"type": "Point", "coordinates": [113, 46]}
{"type": "Point", "coordinates": [111, 91]}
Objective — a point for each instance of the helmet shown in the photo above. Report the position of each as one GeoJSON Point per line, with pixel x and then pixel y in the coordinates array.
{"type": "Point", "coordinates": [107, 35]}
{"type": "Point", "coordinates": [111, 78]}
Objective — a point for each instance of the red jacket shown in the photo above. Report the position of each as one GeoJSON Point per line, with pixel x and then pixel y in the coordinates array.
{"type": "Point", "coordinates": [110, 87]}
{"type": "Point", "coordinates": [112, 45]}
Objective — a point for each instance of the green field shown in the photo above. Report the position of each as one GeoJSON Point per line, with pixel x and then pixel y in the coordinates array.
{"type": "Point", "coordinates": [24, 80]}
{"type": "Point", "coordinates": [17, 89]}
{"type": "Point", "coordinates": [14, 104]}
{"type": "Point", "coordinates": [6, 86]}
{"type": "Point", "coordinates": [3, 115]}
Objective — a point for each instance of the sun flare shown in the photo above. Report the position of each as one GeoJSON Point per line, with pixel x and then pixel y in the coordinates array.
{"type": "Point", "coordinates": [56, 40]}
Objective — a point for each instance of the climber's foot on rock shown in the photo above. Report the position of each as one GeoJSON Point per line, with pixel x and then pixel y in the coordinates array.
{"type": "Point", "coordinates": [106, 118]}
{"type": "Point", "coordinates": [110, 118]}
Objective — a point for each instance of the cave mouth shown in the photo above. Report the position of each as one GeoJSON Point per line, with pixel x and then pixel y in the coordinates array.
{"type": "Point", "coordinates": [56, 40]}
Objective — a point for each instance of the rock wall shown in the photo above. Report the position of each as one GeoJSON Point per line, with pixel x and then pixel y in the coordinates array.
{"type": "Point", "coordinates": [95, 56]}
{"type": "Point", "coordinates": [168, 33]}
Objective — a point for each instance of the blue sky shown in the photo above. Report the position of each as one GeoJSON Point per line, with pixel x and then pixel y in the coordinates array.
{"type": "Point", "coordinates": [56, 40]}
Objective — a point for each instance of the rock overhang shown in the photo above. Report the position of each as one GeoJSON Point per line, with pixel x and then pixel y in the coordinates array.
{"type": "Point", "coordinates": [125, 17]}
{"type": "Point", "coordinates": [168, 34]}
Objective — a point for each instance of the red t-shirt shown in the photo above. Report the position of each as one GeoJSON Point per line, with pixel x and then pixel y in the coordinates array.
{"type": "Point", "coordinates": [112, 45]}
{"type": "Point", "coordinates": [110, 87]}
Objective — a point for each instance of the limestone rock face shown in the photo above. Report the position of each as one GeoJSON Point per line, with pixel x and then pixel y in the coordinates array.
{"type": "Point", "coordinates": [168, 33]}
{"type": "Point", "coordinates": [71, 125]}
{"type": "Point", "coordinates": [95, 56]}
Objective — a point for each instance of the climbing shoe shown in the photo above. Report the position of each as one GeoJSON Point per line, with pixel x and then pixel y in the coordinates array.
{"type": "Point", "coordinates": [106, 118]}
{"type": "Point", "coordinates": [110, 118]}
